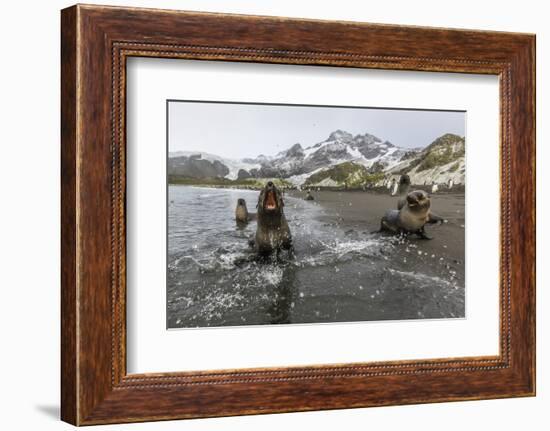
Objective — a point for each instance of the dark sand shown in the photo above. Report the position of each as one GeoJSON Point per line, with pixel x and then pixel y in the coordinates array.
{"type": "Point", "coordinates": [423, 278]}
{"type": "Point", "coordinates": [362, 211]}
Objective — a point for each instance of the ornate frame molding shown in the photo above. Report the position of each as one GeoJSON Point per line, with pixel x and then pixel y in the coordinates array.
{"type": "Point", "coordinates": [96, 41]}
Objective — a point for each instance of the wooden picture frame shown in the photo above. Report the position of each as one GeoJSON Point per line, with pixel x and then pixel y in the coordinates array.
{"type": "Point", "coordinates": [95, 43]}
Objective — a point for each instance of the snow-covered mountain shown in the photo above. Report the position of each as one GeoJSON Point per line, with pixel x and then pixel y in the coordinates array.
{"type": "Point", "coordinates": [300, 165]}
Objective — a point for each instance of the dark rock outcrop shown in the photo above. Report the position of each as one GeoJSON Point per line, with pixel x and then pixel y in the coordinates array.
{"type": "Point", "coordinates": [243, 174]}
{"type": "Point", "coordinates": [195, 166]}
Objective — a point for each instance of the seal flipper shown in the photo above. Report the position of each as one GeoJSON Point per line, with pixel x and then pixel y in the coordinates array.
{"type": "Point", "coordinates": [434, 218]}
{"type": "Point", "coordinates": [422, 234]}
{"type": "Point", "coordinates": [390, 222]}
{"type": "Point", "coordinates": [386, 227]}
{"type": "Point", "coordinates": [288, 245]}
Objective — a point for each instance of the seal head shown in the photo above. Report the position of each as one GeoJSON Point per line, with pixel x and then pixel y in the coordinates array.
{"type": "Point", "coordinates": [242, 216]}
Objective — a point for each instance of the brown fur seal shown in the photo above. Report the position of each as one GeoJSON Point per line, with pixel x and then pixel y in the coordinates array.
{"type": "Point", "coordinates": [403, 190]}
{"type": "Point", "coordinates": [272, 231]}
{"type": "Point", "coordinates": [242, 216]}
{"type": "Point", "coordinates": [309, 196]}
{"type": "Point", "coordinates": [412, 217]}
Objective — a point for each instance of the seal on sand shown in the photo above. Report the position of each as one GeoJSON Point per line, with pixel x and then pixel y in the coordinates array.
{"type": "Point", "coordinates": [412, 217]}
{"type": "Point", "coordinates": [242, 216]}
{"type": "Point", "coordinates": [403, 190]}
{"type": "Point", "coordinates": [309, 196]}
{"type": "Point", "coordinates": [272, 231]}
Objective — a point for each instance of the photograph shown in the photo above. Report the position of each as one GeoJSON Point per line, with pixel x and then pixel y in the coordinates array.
{"type": "Point", "coordinates": [304, 214]}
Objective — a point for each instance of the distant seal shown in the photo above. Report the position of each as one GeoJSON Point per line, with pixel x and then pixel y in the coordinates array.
{"type": "Point", "coordinates": [403, 190]}
{"type": "Point", "coordinates": [309, 196]}
{"type": "Point", "coordinates": [412, 217]}
{"type": "Point", "coordinates": [272, 231]}
{"type": "Point", "coordinates": [242, 216]}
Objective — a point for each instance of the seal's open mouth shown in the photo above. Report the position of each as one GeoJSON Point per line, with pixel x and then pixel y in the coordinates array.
{"type": "Point", "coordinates": [270, 201]}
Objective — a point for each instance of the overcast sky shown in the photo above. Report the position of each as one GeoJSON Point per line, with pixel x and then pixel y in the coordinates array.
{"type": "Point", "coordinates": [240, 130]}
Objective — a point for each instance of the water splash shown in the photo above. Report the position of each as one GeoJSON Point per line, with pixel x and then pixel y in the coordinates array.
{"type": "Point", "coordinates": [214, 278]}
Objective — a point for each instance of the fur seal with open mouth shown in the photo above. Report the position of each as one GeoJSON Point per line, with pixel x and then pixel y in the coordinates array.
{"type": "Point", "coordinates": [412, 216]}
{"type": "Point", "coordinates": [272, 231]}
{"type": "Point", "coordinates": [242, 216]}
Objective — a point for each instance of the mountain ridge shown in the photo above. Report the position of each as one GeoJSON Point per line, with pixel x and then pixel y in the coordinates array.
{"type": "Point", "coordinates": [440, 161]}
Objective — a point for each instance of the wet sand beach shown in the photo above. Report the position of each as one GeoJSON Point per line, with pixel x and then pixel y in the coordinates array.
{"type": "Point", "coordinates": [343, 270]}
{"type": "Point", "coordinates": [362, 211]}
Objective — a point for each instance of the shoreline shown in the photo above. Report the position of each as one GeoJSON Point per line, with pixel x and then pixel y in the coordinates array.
{"type": "Point", "coordinates": [458, 189]}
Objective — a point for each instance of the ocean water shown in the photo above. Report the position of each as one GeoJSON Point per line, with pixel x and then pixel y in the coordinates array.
{"type": "Point", "coordinates": [338, 274]}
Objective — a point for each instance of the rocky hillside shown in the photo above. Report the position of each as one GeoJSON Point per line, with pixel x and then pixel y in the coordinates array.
{"type": "Point", "coordinates": [439, 162]}
{"type": "Point", "coordinates": [347, 174]}
{"type": "Point", "coordinates": [340, 160]}
{"type": "Point", "coordinates": [233, 166]}
{"type": "Point", "coordinates": [194, 166]}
